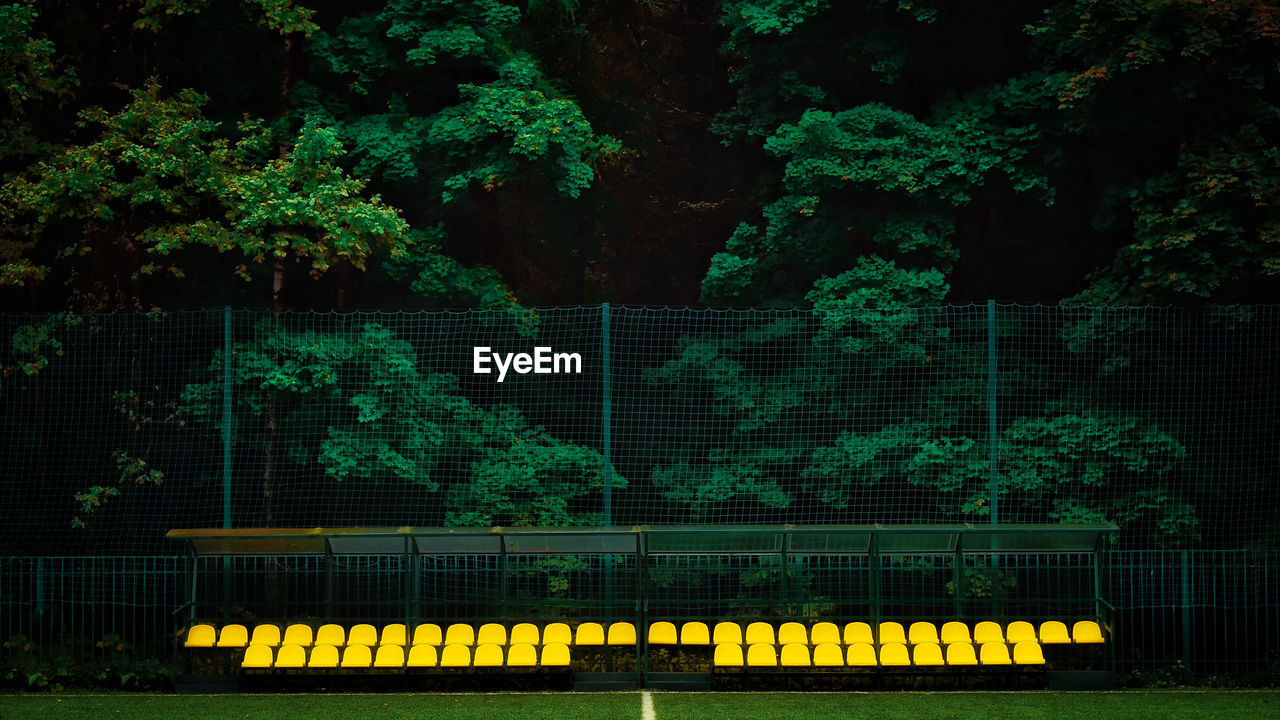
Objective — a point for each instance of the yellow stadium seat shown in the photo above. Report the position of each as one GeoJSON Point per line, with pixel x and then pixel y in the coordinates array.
{"type": "Point", "coordinates": [1087, 632]}
{"type": "Point", "coordinates": [1019, 631]}
{"type": "Point", "coordinates": [894, 655]}
{"type": "Point", "coordinates": [200, 636]}
{"type": "Point", "coordinates": [524, 633]}
{"type": "Point", "coordinates": [491, 634]}
{"type": "Point", "coordinates": [759, 632]}
{"type": "Point", "coordinates": [987, 632]}
{"type": "Point", "coordinates": [926, 655]}
{"type": "Point", "coordinates": [823, 633]}
{"type": "Point", "coordinates": [955, 632]}
{"type": "Point", "coordinates": [323, 656]}
{"type": "Point", "coordinates": [662, 633]}
{"type": "Point", "coordinates": [796, 655]}
{"type": "Point", "coordinates": [488, 655]}
{"type": "Point", "coordinates": [862, 655]}
{"type": "Point", "coordinates": [622, 633]}
{"type": "Point", "coordinates": [421, 656]}
{"type": "Point", "coordinates": [393, 634]}
{"type": "Point", "coordinates": [695, 633]}
{"type": "Point", "coordinates": [762, 655]}
{"type": "Point", "coordinates": [994, 653]}
{"type": "Point", "coordinates": [728, 655]}
{"type": "Point", "coordinates": [427, 634]}
{"type": "Point", "coordinates": [727, 633]}
{"type": "Point", "coordinates": [266, 634]}
{"type": "Point", "coordinates": [391, 656]}
{"type": "Point", "coordinates": [921, 633]}
{"type": "Point", "coordinates": [460, 634]}
{"type": "Point", "coordinates": [557, 634]}
{"type": "Point", "coordinates": [961, 654]}
{"type": "Point", "coordinates": [356, 656]}
{"type": "Point", "coordinates": [555, 655]}
{"type": "Point", "coordinates": [1054, 632]}
{"type": "Point", "coordinates": [858, 633]}
{"type": "Point", "coordinates": [363, 634]}
{"type": "Point", "coordinates": [291, 657]}
{"type": "Point", "coordinates": [1028, 652]}
{"type": "Point", "coordinates": [257, 657]}
{"type": "Point", "coordinates": [827, 655]}
{"type": "Point", "coordinates": [892, 632]}
{"type": "Point", "coordinates": [297, 634]}
{"type": "Point", "coordinates": [522, 655]}
{"type": "Point", "coordinates": [589, 633]}
{"type": "Point", "coordinates": [331, 634]}
{"type": "Point", "coordinates": [792, 632]}
{"type": "Point", "coordinates": [233, 636]}
{"type": "Point", "coordinates": [456, 656]}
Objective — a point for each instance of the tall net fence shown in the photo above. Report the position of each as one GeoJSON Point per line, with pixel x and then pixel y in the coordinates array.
{"type": "Point", "coordinates": [120, 427]}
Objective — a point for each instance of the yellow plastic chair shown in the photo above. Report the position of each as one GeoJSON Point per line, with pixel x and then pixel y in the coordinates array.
{"type": "Point", "coordinates": [695, 633]}
{"type": "Point", "coordinates": [622, 633]}
{"type": "Point", "coordinates": [589, 633]}
{"type": "Point", "coordinates": [824, 633]}
{"type": "Point", "coordinates": [233, 636]}
{"type": "Point", "coordinates": [455, 656]}
{"type": "Point", "coordinates": [391, 656]}
{"type": "Point", "coordinates": [927, 655]}
{"type": "Point", "coordinates": [892, 632]}
{"type": "Point", "coordinates": [491, 634]}
{"type": "Point", "coordinates": [961, 655]}
{"type": "Point", "coordinates": [1087, 632]}
{"type": "Point", "coordinates": [1028, 652]}
{"type": "Point", "coordinates": [759, 632]}
{"type": "Point", "coordinates": [201, 636]}
{"type": "Point", "coordinates": [291, 657]}
{"type": "Point", "coordinates": [427, 634]}
{"type": "Point", "coordinates": [423, 656]}
{"type": "Point", "coordinates": [555, 655]}
{"type": "Point", "coordinates": [921, 633]}
{"type": "Point", "coordinates": [858, 633]}
{"type": "Point", "coordinates": [792, 632]}
{"type": "Point", "coordinates": [728, 655]}
{"type": "Point", "coordinates": [994, 653]}
{"type": "Point", "coordinates": [394, 634]}
{"type": "Point", "coordinates": [796, 655]}
{"type": "Point", "coordinates": [460, 634]}
{"type": "Point", "coordinates": [298, 634]}
{"type": "Point", "coordinates": [488, 655]}
{"type": "Point", "coordinates": [987, 632]}
{"type": "Point", "coordinates": [827, 655]}
{"type": "Point", "coordinates": [522, 655]}
{"type": "Point", "coordinates": [894, 655]}
{"type": "Point", "coordinates": [356, 656]}
{"type": "Point", "coordinates": [727, 633]}
{"type": "Point", "coordinates": [323, 657]}
{"type": "Point", "coordinates": [1054, 632]}
{"type": "Point", "coordinates": [557, 634]}
{"type": "Point", "coordinates": [955, 632]}
{"type": "Point", "coordinates": [762, 655]}
{"type": "Point", "coordinates": [257, 657]}
{"type": "Point", "coordinates": [861, 655]}
{"type": "Point", "coordinates": [1020, 631]}
{"type": "Point", "coordinates": [363, 634]}
{"type": "Point", "coordinates": [662, 633]}
{"type": "Point", "coordinates": [331, 634]}
{"type": "Point", "coordinates": [524, 633]}
{"type": "Point", "coordinates": [266, 634]}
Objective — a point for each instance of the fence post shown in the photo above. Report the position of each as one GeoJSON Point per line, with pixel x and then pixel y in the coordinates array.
{"type": "Point", "coordinates": [992, 442]}
{"type": "Point", "coordinates": [606, 412]}
{"type": "Point", "coordinates": [1186, 615]}
{"type": "Point", "coordinates": [226, 455]}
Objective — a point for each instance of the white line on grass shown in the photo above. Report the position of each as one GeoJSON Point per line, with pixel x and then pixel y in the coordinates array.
{"type": "Point", "coordinates": [646, 706]}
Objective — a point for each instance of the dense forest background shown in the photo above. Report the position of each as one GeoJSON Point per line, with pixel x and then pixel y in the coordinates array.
{"type": "Point", "coordinates": [827, 164]}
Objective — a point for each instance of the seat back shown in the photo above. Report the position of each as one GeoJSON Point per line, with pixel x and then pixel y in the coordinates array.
{"type": "Point", "coordinates": [522, 655]}
{"type": "Point", "coordinates": [695, 633]}
{"type": "Point", "coordinates": [423, 656]}
{"type": "Point", "coordinates": [727, 633]}
{"type": "Point", "coordinates": [662, 633]}
{"type": "Point", "coordinates": [728, 655]}
{"type": "Point", "coordinates": [922, 632]}
{"type": "Point", "coordinates": [427, 634]}
{"type": "Point", "coordinates": [291, 656]}
{"type": "Point", "coordinates": [257, 657]}
{"type": "Point", "coordinates": [200, 636]}
{"type": "Point", "coordinates": [796, 655]}
{"type": "Point", "coordinates": [827, 655]}
{"type": "Point", "coordinates": [391, 656]}
{"type": "Point", "coordinates": [357, 656]}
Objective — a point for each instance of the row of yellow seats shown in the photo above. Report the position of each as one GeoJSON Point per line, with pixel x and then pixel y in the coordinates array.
{"type": "Point", "coordinates": [919, 633]}
{"type": "Point", "coordinates": [356, 657]}
{"type": "Point", "coordinates": [267, 634]}
{"type": "Point", "coordinates": [796, 655]}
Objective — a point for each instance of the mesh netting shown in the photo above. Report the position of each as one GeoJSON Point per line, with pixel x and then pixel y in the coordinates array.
{"type": "Point", "coordinates": [120, 427]}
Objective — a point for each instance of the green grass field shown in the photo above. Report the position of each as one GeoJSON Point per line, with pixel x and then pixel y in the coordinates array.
{"type": "Point", "coordinates": [1138, 705]}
